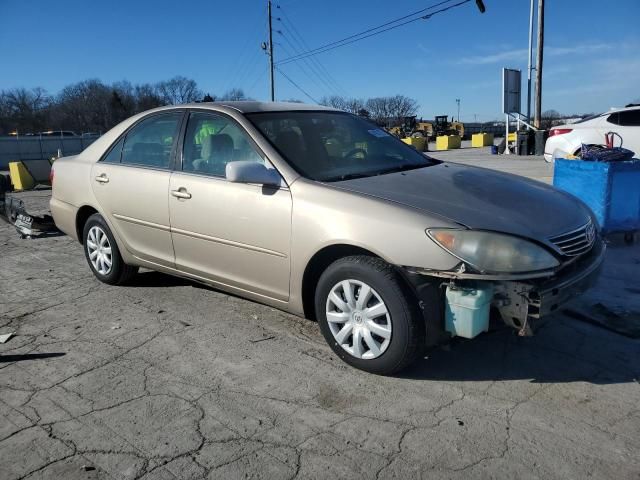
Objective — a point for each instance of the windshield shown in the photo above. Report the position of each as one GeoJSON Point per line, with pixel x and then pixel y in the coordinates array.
{"type": "Point", "coordinates": [334, 146]}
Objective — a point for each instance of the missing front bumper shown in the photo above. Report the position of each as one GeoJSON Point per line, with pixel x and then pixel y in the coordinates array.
{"type": "Point", "coordinates": [520, 302]}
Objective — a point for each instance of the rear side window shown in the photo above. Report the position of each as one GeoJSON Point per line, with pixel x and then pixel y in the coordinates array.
{"type": "Point", "coordinates": [630, 118]}
{"type": "Point", "coordinates": [150, 143]}
{"type": "Point", "coordinates": [614, 118]}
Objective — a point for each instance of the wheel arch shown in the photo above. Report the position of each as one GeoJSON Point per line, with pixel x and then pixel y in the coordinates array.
{"type": "Point", "coordinates": [82, 216]}
{"type": "Point", "coordinates": [319, 262]}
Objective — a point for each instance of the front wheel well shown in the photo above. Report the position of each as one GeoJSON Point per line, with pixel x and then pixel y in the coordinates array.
{"type": "Point", "coordinates": [81, 218]}
{"type": "Point", "coordinates": [319, 263]}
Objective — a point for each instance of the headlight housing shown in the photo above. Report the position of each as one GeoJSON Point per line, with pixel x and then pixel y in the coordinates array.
{"type": "Point", "coordinates": [493, 252]}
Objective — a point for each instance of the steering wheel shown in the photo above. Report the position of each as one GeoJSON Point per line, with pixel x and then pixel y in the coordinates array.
{"type": "Point", "coordinates": [354, 151]}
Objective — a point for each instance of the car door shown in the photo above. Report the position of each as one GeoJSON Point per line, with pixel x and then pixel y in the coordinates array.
{"type": "Point", "coordinates": [232, 233]}
{"type": "Point", "coordinates": [131, 184]}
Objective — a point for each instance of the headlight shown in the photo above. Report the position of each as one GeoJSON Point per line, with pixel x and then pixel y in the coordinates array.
{"type": "Point", "coordinates": [493, 252]}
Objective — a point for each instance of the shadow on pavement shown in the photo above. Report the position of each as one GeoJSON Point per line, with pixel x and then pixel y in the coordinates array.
{"type": "Point", "coordinates": [555, 355]}
{"type": "Point", "coordinates": [158, 279]}
{"type": "Point", "coordinates": [29, 356]}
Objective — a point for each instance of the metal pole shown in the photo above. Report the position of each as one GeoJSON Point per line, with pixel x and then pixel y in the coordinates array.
{"type": "Point", "coordinates": [540, 50]}
{"type": "Point", "coordinates": [506, 134]}
{"type": "Point", "coordinates": [530, 63]}
{"type": "Point", "coordinates": [271, 52]}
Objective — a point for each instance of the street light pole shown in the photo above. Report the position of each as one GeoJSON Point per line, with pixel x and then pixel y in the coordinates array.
{"type": "Point", "coordinates": [529, 68]}
{"type": "Point", "coordinates": [540, 51]}
{"type": "Point", "coordinates": [271, 52]}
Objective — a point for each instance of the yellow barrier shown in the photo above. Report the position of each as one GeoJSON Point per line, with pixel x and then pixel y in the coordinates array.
{"type": "Point", "coordinates": [447, 142]}
{"type": "Point", "coordinates": [20, 176]}
{"type": "Point", "coordinates": [418, 142]}
{"type": "Point", "coordinates": [481, 139]}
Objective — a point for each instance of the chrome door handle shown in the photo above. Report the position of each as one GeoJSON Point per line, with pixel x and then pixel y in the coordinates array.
{"type": "Point", "coordinates": [102, 178]}
{"type": "Point", "coordinates": [181, 193]}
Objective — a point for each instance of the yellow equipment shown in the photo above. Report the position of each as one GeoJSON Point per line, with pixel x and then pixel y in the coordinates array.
{"type": "Point", "coordinates": [447, 142]}
{"type": "Point", "coordinates": [442, 126]}
{"type": "Point", "coordinates": [419, 143]}
{"type": "Point", "coordinates": [481, 139]}
{"type": "Point", "coordinates": [26, 174]}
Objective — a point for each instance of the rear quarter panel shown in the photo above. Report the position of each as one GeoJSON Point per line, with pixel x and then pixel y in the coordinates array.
{"type": "Point", "coordinates": [71, 190]}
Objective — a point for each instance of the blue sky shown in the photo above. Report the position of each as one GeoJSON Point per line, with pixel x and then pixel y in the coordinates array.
{"type": "Point", "coordinates": [592, 54]}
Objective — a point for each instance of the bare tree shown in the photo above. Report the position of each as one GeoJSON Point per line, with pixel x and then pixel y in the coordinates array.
{"type": "Point", "coordinates": [401, 106]}
{"type": "Point", "coordinates": [548, 119]}
{"type": "Point", "coordinates": [24, 110]}
{"type": "Point", "coordinates": [379, 110]}
{"type": "Point", "coordinates": [351, 105]}
{"type": "Point", "coordinates": [179, 90]}
{"type": "Point", "coordinates": [334, 101]}
{"type": "Point", "coordinates": [147, 97]}
{"type": "Point", "coordinates": [234, 94]}
{"type": "Point", "coordinates": [83, 106]}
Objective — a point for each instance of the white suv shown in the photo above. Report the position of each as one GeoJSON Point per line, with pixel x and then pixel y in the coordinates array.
{"type": "Point", "coordinates": [569, 138]}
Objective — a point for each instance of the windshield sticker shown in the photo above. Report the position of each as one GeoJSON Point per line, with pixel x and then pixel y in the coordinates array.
{"type": "Point", "coordinates": [378, 133]}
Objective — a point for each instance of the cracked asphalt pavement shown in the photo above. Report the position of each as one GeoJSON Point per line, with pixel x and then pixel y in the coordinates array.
{"type": "Point", "coordinates": [168, 379]}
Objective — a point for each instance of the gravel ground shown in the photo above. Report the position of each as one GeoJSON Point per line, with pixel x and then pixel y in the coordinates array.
{"type": "Point", "coordinates": [168, 379]}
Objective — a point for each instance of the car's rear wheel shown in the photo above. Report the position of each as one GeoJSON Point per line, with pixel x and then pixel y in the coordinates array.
{"type": "Point", "coordinates": [367, 315]}
{"type": "Point", "coordinates": [102, 254]}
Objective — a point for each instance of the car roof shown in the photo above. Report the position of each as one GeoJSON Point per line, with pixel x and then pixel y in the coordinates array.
{"type": "Point", "coordinates": [621, 109]}
{"type": "Point", "coordinates": [255, 107]}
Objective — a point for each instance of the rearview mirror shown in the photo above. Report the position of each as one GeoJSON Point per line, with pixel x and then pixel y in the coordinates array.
{"type": "Point", "coordinates": [252, 172]}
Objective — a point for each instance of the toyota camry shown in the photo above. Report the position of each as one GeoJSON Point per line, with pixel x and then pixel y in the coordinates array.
{"type": "Point", "coordinates": [324, 214]}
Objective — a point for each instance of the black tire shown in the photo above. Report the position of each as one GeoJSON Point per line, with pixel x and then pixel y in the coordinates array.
{"type": "Point", "coordinates": [119, 272]}
{"type": "Point", "coordinates": [408, 330]}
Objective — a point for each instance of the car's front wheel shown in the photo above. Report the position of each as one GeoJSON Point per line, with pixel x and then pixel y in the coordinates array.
{"type": "Point", "coordinates": [102, 254]}
{"type": "Point", "coordinates": [368, 316]}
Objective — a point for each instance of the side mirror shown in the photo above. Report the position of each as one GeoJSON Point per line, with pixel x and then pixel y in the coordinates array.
{"type": "Point", "coordinates": [252, 172]}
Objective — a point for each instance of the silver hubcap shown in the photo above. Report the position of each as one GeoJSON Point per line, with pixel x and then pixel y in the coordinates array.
{"type": "Point", "coordinates": [99, 250]}
{"type": "Point", "coordinates": [358, 319]}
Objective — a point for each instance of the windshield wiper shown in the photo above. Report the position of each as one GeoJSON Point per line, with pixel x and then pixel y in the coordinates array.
{"type": "Point", "coordinates": [348, 176]}
{"type": "Point", "coordinates": [375, 173]}
{"type": "Point", "coordinates": [403, 168]}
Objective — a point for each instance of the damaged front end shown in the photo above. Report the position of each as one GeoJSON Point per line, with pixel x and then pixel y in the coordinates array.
{"type": "Point", "coordinates": [522, 302]}
{"type": "Point", "coordinates": [522, 299]}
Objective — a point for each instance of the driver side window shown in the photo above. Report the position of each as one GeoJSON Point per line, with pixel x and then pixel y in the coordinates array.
{"type": "Point", "coordinates": [212, 141]}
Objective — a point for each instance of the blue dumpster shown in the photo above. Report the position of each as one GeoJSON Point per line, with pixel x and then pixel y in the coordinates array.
{"type": "Point", "coordinates": [610, 189]}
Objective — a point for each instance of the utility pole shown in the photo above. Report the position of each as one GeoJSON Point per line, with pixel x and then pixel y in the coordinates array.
{"type": "Point", "coordinates": [540, 50]}
{"type": "Point", "coordinates": [273, 96]}
{"type": "Point", "coordinates": [529, 68]}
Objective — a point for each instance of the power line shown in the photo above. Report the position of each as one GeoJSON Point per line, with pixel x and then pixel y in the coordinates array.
{"type": "Point", "coordinates": [296, 85]}
{"type": "Point", "coordinates": [261, 74]}
{"type": "Point", "coordinates": [310, 75]}
{"type": "Point", "coordinates": [245, 59]}
{"type": "Point", "coordinates": [383, 25]}
{"type": "Point", "coordinates": [313, 76]}
{"type": "Point", "coordinates": [352, 39]}
{"type": "Point", "coordinates": [297, 37]}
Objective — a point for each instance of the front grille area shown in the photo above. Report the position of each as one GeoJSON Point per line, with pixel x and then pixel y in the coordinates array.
{"type": "Point", "coordinates": [576, 242]}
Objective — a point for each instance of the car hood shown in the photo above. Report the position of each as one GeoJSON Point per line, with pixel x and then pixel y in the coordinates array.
{"type": "Point", "coordinates": [479, 198]}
